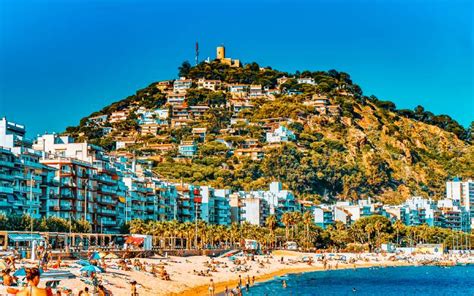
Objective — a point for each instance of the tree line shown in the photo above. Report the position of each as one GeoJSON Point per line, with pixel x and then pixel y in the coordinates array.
{"type": "Point", "coordinates": [366, 234]}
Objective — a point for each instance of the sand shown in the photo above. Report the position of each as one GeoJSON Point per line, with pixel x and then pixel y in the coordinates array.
{"type": "Point", "coordinates": [185, 282]}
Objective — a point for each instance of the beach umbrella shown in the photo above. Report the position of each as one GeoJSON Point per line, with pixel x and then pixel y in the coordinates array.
{"type": "Point", "coordinates": [111, 256]}
{"type": "Point", "coordinates": [3, 265]}
{"type": "Point", "coordinates": [83, 262]}
{"type": "Point", "coordinates": [22, 272]}
{"type": "Point", "coordinates": [91, 268]}
{"type": "Point", "coordinates": [95, 256]}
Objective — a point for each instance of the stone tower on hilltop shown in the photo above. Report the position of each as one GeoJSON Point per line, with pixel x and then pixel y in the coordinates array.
{"type": "Point", "coordinates": [220, 56]}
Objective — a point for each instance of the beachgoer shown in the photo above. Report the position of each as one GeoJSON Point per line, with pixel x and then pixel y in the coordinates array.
{"type": "Point", "coordinates": [101, 291]}
{"type": "Point", "coordinates": [253, 280]}
{"type": "Point", "coordinates": [226, 292]}
{"type": "Point", "coordinates": [86, 291]}
{"type": "Point", "coordinates": [133, 288]}
{"type": "Point", "coordinates": [240, 280]}
{"type": "Point", "coordinates": [8, 280]}
{"type": "Point", "coordinates": [212, 288]}
{"type": "Point", "coordinates": [247, 283]}
{"type": "Point", "coordinates": [58, 293]}
{"type": "Point", "coordinates": [33, 279]}
{"type": "Point", "coordinates": [283, 283]}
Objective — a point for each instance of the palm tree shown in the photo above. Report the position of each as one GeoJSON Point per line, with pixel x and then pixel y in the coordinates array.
{"type": "Point", "coordinates": [296, 218]}
{"type": "Point", "coordinates": [138, 226]}
{"type": "Point", "coordinates": [307, 221]}
{"type": "Point", "coordinates": [271, 223]}
{"type": "Point", "coordinates": [378, 228]}
{"type": "Point", "coordinates": [234, 232]}
{"type": "Point", "coordinates": [286, 219]}
{"type": "Point", "coordinates": [369, 228]}
{"type": "Point", "coordinates": [398, 225]}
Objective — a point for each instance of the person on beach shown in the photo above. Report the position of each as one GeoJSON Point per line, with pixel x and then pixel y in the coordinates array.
{"type": "Point", "coordinates": [247, 284]}
{"type": "Point", "coordinates": [253, 280]}
{"type": "Point", "coordinates": [86, 291]}
{"type": "Point", "coordinates": [133, 288]}
{"type": "Point", "coordinates": [8, 280]}
{"type": "Point", "coordinates": [212, 288]}
{"type": "Point", "coordinates": [226, 291]}
{"type": "Point", "coordinates": [240, 280]}
{"type": "Point", "coordinates": [101, 291]}
{"type": "Point", "coordinates": [33, 278]}
{"type": "Point", "coordinates": [283, 283]}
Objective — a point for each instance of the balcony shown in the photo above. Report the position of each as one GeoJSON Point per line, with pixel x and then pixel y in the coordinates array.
{"type": "Point", "coordinates": [5, 189]}
{"type": "Point", "coordinates": [107, 190]}
{"type": "Point", "coordinates": [6, 176]}
{"type": "Point", "coordinates": [108, 223]}
{"type": "Point", "coordinates": [104, 211]}
{"type": "Point", "coordinates": [105, 179]}
{"type": "Point", "coordinates": [33, 164]}
{"type": "Point", "coordinates": [65, 207]}
{"type": "Point", "coordinates": [106, 200]}
{"type": "Point", "coordinates": [7, 163]}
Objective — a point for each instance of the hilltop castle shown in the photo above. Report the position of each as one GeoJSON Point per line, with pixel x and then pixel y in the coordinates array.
{"type": "Point", "coordinates": [220, 56]}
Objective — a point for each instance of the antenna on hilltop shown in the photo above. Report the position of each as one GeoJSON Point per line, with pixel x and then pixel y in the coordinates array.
{"type": "Point", "coordinates": [197, 53]}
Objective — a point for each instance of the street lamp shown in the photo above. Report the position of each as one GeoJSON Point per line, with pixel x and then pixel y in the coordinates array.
{"type": "Point", "coordinates": [31, 215]}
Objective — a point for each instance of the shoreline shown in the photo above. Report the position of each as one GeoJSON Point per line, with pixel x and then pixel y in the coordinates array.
{"type": "Point", "coordinates": [221, 285]}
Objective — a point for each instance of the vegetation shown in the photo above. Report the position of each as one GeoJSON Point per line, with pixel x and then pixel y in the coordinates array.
{"type": "Point", "coordinates": [51, 224]}
{"type": "Point", "coordinates": [368, 233]}
{"type": "Point", "coordinates": [371, 150]}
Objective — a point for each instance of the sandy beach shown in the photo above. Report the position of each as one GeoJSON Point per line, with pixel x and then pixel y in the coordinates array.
{"type": "Point", "coordinates": [192, 275]}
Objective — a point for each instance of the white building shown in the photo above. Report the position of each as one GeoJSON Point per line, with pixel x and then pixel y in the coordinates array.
{"type": "Point", "coordinates": [12, 134]}
{"type": "Point", "coordinates": [306, 80]}
{"type": "Point", "coordinates": [209, 84]}
{"type": "Point", "coordinates": [176, 99]}
{"type": "Point", "coordinates": [281, 134]}
{"type": "Point", "coordinates": [182, 84]}
{"type": "Point", "coordinates": [462, 193]}
{"type": "Point", "coordinates": [118, 116]}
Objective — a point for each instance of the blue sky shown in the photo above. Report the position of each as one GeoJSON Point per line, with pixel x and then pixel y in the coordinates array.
{"type": "Point", "coordinates": [62, 60]}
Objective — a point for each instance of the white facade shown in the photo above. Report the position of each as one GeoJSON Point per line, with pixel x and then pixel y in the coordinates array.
{"type": "Point", "coordinates": [11, 133]}
{"type": "Point", "coordinates": [182, 84]}
{"type": "Point", "coordinates": [306, 80]}
{"type": "Point", "coordinates": [279, 135]}
{"type": "Point", "coordinates": [209, 84]}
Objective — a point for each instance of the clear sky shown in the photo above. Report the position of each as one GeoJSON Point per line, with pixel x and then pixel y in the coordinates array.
{"type": "Point", "coordinates": [62, 60]}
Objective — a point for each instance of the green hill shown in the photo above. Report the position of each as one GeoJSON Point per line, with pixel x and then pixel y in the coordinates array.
{"type": "Point", "coordinates": [362, 147]}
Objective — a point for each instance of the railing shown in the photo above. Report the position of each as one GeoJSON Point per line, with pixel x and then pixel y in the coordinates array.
{"type": "Point", "coordinates": [7, 163]}
{"type": "Point", "coordinates": [107, 211]}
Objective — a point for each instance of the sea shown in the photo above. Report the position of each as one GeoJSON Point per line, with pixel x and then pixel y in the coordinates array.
{"type": "Point", "coordinates": [385, 281]}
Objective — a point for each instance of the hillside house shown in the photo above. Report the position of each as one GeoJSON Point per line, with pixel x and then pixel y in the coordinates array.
{"type": "Point", "coordinates": [209, 84]}
{"type": "Point", "coordinates": [187, 148]}
{"type": "Point", "coordinates": [200, 132]}
{"type": "Point", "coordinates": [306, 80]}
{"type": "Point", "coordinates": [252, 153]}
{"type": "Point", "coordinates": [281, 134]}
{"type": "Point", "coordinates": [175, 98]}
{"type": "Point", "coordinates": [182, 84]}
{"type": "Point", "coordinates": [118, 116]}
{"type": "Point", "coordinates": [198, 111]}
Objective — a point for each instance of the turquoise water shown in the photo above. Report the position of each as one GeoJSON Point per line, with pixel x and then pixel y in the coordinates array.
{"type": "Point", "coordinates": [424, 280]}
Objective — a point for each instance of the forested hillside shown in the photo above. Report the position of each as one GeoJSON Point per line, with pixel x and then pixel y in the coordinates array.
{"type": "Point", "coordinates": [350, 146]}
